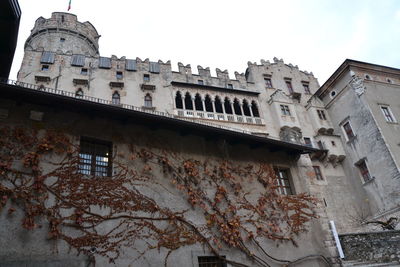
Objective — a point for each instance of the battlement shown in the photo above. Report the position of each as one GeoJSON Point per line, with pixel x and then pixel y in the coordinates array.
{"type": "Point", "coordinates": [278, 62]}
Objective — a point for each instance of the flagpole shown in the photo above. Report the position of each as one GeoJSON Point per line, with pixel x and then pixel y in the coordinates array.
{"type": "Point", "coordinates": [69, 5]}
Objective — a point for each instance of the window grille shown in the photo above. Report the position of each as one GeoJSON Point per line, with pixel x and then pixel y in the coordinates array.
{"type": "Point", "coordinates": [95, 157]}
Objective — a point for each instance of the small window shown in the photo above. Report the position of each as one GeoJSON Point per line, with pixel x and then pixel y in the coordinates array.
{"type": "Point", "coordinates": [116, 99]}
{"type": "Point", "coordinates": [84, 71]}
{"type": "Point", "coordinates": [211, 261]}
{"type": "Point", "coordinates": [146, 77]}
{"type": "Point", "coordinates": [283, 181]}
{"type": "Point", "coordinates": [348, 130]}
{"type": "Point", "coordinates": [45, 67]}
{"type": "Point", "coordinates": [268, 82]}
{"type": "Point", "coordinates": [367, 77]}
{"type": "Point", "coordinates": [95, 157]}
{"type": "Point", "coordinates": [62, 40]}
{"type": "Point", "coordinates": [333, 143]}
{"type": "Point", "coordinates": [148, 101]}
{"type": "Point", "coordinates": [201, 82]}
{"type": "Point", "coordinates": [230, 86]}
{"type": "Point", "coordinates": [79, 93]}
{"type": "Point", "coordinates": [363, 168]}
{"type": "Point", "coordinates": [119, 75]}
{"type": "Point", "coordinates": [285, 110]}
{"type": "Point", "coordinates": [318, 173]}
{"type": "Point", "coordinates": [307, 141]}
{"type": "Point", "coordinates": [306, 87]}
{"type": "Point", "coordinates": [387, 113]}
{"type": "Point", "coordinates": [321, 114]}
{"type": "Point", "coordinates": [389, 81]}
{"type": "Point", "coordinates": [289, 86]}
{"type": "Point", "coordinates": [62, 19]}
{"type": "Point", "coordinates": [333, 93]}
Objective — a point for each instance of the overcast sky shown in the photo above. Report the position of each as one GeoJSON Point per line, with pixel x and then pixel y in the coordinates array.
{"type": "Point", "coordinates": [316, 35]}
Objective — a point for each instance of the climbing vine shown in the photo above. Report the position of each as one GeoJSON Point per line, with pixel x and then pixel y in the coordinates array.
{"type": "Point", "coordinates": [229, 204]}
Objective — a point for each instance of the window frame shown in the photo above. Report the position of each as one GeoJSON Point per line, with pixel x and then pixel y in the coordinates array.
{"type": "Point", "coordinates": [306, 87]}
{"type": "Point", "coordinates": [119, 75]}
{"type": "Point", "coordinates": [348, 129]}
{"type": "Point", "coordinates": [148, 101]}
{"type": "Point", "coordinates": [268, 82]}
{"type": "Point", "coordinates": [321, 114]}
{"type": "Point", "coordinates": [307, 141]}
{"type": "Point", "coordinates": [364, 170]}
{"type": "Point", "coordinates": [289, 85]}
{"type": "Point", "coordinates": [92, 161]}
{"type": "Point", "coordinates": [285, 110]}
{"type": "Point", "coordinates": [200, 82]}
{"type": "Point", "coordinates": [283, 187]}
{"type": "Point", "coordinates": [45, 67]}
{"type": "Point", "coordinates": [146, 77]}
{"type": "Point", "coordinates": [389, 117]}
{"type": "Point", "coordinates": [318, 173]}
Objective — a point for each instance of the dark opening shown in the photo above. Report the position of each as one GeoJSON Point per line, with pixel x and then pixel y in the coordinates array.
{"type": "Point", "coordinates": [236, 107]}
{"type": "Point", "coordinates": [198, 103]}
{"type": "Point", "coordinates": [246, 109]}
{"type": "Point", "coordinates": [228, 106]}
{"type": "Point", "coordinates": [218, 105]}
{"type": "Point", "coordinates": [188, 101]}
{"type": "Point", "coordinates": [178, 100]}
{"type": "Point", "coordinates": [208, 104]}
{"type": "Point", "coordinates": [254, 108]}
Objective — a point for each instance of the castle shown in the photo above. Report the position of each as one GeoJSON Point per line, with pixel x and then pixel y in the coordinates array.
{"type": "Point", "coordinates": [337, 141]}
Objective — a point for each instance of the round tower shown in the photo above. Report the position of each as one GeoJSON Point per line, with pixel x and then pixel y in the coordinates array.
{"type": "Point", "coordinates": [63, 33]}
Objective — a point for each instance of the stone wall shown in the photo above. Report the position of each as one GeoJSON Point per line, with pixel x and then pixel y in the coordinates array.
{"type": "Point", "coordinates": [373, 246]}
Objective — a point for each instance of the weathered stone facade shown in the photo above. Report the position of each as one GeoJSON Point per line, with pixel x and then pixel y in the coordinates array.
{"type": "Point", "coordinates": [271, 100]}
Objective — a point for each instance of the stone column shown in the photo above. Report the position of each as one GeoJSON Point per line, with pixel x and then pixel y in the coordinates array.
{"type": "Point", "coordinates": [204, 105]}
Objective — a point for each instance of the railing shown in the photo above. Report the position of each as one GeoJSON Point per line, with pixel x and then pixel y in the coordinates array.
{"type": "Point", "coordinates": [219, 116]}
{"type": "Point", "coordinates": [183, 114]}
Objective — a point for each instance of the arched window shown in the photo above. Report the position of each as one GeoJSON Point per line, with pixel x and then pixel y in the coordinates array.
{"type": "Point", "coordinates": [208, 104]}
{"type": "Point", "coordinates": [254, 108]}
{"type": "Point", "coordinates": [236, 107]}
{"type": "Point", "coordinates": [227, 105]}
{"type": "Point", "coordinates": [148, 101]}
{"type": "Point", "coordinates": [79, 93]}
{"type": "Point", "coordinates": [246, 109]}
{"type": "Point", "coordinates": [218, 105]}
{"type": "Point", "coordinates": [198, 103]}
{"type": "Point", "coordinates": [178, 100]}
{"type": "Point", "coordinates": [188, 101]}
{"type": "Point", "coordinates": [116, 100]}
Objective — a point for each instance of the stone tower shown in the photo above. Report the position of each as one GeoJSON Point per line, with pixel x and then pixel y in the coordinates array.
{"type": "Point", "coordinates": [63, 34]}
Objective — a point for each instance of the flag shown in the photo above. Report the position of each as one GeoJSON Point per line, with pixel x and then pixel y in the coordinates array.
{"type": "Point", "coordinates": [69, 5]}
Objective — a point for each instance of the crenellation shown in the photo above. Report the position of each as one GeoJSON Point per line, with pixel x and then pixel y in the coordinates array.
{"type": "Point", "coordinates": [205, 73]}
{"type": "Point", "coordinates": [222, 75]}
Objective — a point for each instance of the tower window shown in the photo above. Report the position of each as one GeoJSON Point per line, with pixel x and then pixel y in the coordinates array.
{"type": "Point", "coordinates": [62, 40]}
{"type": "Point", "coordinates": [387, 113]}
{"type": "Point", "coordinates": [289, 86]}
{"type": "Point", "coordinates": [148, 101]}
{"type": "Point", "coordinates": [230, 86]}
{"type": "Point", "coordinates": [116, 99]}
{"type": "Point", "coordinates": [84, 71]}
{"type": "Point", "coordinates": [306, 87]}
{"type": "Point", "coordinates": [363, 168]}
{"type": "Point", "coordinates": [268, 82]}
{"type": "Point", "coordinates": [45, 67]}
{"type": "Point", "coordinates": [146, 77]}
{"type": "Point", "coordinates": [348, 130]}
{"type": "Point", "coordinates": [119, 75]}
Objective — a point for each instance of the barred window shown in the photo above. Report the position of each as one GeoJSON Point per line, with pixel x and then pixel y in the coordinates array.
{"type": "Point", "coordinates": [283, 183]}
{"type": "Point", "coordinates": [211, 261]}
{"type": "Point", "coordinates": [95, 157]}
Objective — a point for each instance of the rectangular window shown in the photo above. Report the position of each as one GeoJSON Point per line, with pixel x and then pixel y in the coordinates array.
{"type": "Point", "coordinates": [146, 77]}
{"type": "Point", "coordinates": [362, 167]}
{"type": "Point", "coordinates": [45, 67]}
{"type": "Point", "coordinates": [318, 173]}
{"type": "Point", "coordinates": [289, 86]}
{"type": "Point", "coordinates": [201, 82]}
{"type": "Point", "coordinates": [306, 88]}
{"type": "Point", "coordinates": [307, 141]}
{"type": "Point", "coordinates": [62, 40]}
{"type": "Point", "coordinates": [268, 82]}
{"type": "Point", "coordinates": [230, 86]}
{"type": "Point", "coordinates": [283, 181]}
{"type": "Point", "coordinates": [348, 130]}
{"type": "Point", "coordinates": [387, 113]}
{"type": "Point", "coordinates": [285, 110]}
{"type": "Point", "coordinates": [84, 71]}
{"type": "Point", "coordinates": [119, 75]}
{"type": "Point", "coordinates": [95, 157]}
{"type": "Point", "coordinates": [321, 114]}
{"type": "Point", "coordinates": [211, 261]}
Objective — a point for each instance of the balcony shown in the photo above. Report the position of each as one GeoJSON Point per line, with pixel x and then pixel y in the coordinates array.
{"type": "Point", "coordinates": [219, 117]}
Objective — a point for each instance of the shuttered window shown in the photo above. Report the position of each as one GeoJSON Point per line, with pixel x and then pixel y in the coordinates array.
{"type": "Point", "coordinates": [154, 67]}
{"type": "Point", "coordinates": [78, 60]}
{"type": "Point", "coordinates": [130, 64]}
{"type": "Point", "coordinates": [47, 57]}
{"type": "Point", "coordinates": [105, 62]}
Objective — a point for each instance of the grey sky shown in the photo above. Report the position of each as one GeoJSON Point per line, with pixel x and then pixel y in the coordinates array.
{"type": "Point", "coordinates": [316, 35]}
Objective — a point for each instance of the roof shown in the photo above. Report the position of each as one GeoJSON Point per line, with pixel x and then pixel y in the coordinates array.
{"type": "Point", "coordinates": [10, 14]}
{"type": "Point", "coordinates": [355, 63]}
{"type": "Point", "coordinates": [130, 114]}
